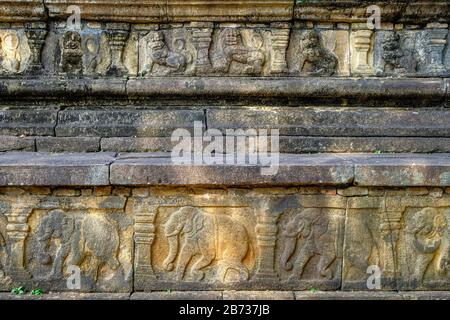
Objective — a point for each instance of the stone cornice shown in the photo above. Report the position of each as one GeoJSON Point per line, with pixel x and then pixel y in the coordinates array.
{"type": "Point", "coordinates": [22, 10]}
{"type": "Point", "coordinates": [252, 11]}
{"type": "Point", "coordinates": [160, 11]}
{"type": "Point", "coordinates": [332, 88]}
{"type": "Point", "coordinates": [401, 11]}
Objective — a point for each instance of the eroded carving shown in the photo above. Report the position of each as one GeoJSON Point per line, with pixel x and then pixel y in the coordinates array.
{"type": "Point", "coordinates": [192, 232]}
{"type": "Point", "coordinates": [36, 34]}
{"type": "Point", "coordinates": [10, 58]}
{"type": "Point", "coordinates": [315, 59]}
{"type": "Point", "coordinates": [424, 232]}
{"type": "Point", "coordinates": [71, 53]}
{"type": "Point", "coordinates": [307, 234]}
{"type": "Point", "coordinates": [249, 59]}
{"type": "Point", "coordinates": [93, 237]}
{"type": "Point", "coordinates": [397, 60]}
{"type": "Point", "coordinates": [161, 60]}
{"type": "Point", "coordinates": [117, 37]}
{"type": "Point", "coordinates": [4, 251]}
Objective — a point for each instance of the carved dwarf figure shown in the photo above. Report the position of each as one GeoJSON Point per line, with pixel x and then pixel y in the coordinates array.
{"type": "Point", "coordinates": [71, 53]}
{"type": "Point", "coordinates": [159, 54]}
{"type": "Point", "coordinates": [10, 52]}
{"type": "Point", "coordinates": [308, 234]}
{"type": "Point", "coordinates": [424, 236]}
{"type": "Point", "coordinates": [315, 59]}
{"type": "Point", "coordinates": [397, 60]}
{"type": "Point", "coordinates": [233, 50]}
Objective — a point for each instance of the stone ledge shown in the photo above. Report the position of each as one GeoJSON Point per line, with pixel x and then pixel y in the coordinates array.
{"type": "Point", "coordinates": [242, 295]}
{"type": "Point", "coordinates": [99, 169]}
{"type": "Point", "coordinates": [42, 169]}
{"type": "Point", "coordinates": [325, 88]}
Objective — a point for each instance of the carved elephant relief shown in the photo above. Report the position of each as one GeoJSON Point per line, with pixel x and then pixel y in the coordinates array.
{"type": "Point", "coordinates": [202, 240]}
{"type": "Point", "coordinates": [306, 234]}
{"type": "Point", "coordinates": [64, 240]}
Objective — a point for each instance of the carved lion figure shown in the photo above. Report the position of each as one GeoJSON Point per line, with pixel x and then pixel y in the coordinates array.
{"type": "Point", "coordinates": [233, 50]}
{"type": "Point", "coordinates": [315, 59]}
{"type": "Point", "coordinates": [424, 234]}
{"type": "Point", "coordinates": [159, 54]}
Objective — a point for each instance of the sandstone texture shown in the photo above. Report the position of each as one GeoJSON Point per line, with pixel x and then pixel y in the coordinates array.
{"type": "Point", "coordinates": [92, 91]}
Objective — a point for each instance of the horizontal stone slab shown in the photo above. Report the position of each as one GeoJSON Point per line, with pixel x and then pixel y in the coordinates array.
{"type": "Point", "coordinates": [324, 121]}
{"type": "Point", "coordinates": [68, 144]}
{"type": "Point", "coordinates": [433, 89]}
{"type": "Point", "coordinates": [27, 122]}
{"type": "Point", "coordinates": [43, 169]}
{"type": "Point", "coordinates": [356, 11]}
{"type": "Point", "coordinates": [403, 170]}
{"type": "Point", "coordinates": [305, 170]}
{"type": "Point", "coordinates": [388, 170]}
{"type": "Point", "coordinates": [22, 11]}
{"type": "Point", "coordinates": [178, 11]}
{"type": "Point", "coordinates": [11, 143]}
{"type": "Point", "coordinates": [353, 88]}
{"type": "Point", "coordinates": [128, 123]}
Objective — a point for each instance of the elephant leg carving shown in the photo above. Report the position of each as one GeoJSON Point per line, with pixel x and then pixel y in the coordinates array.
{"type": "Point", "coordinates": [226, 266]}
{"type": "Point", "coordinates": [303, 258]}
{"type": "Point", "coordinates": [183, 260]}
{"type": "Point", "coordinates": [204, 261]}
{"type": "Point", "coordinates": [324, 266]}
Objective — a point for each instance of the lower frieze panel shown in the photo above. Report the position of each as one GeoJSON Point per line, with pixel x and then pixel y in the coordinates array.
{"type": "Point", "coordinates": [147, 239]}
{"type": "Point", "coordinates": [237, 241]}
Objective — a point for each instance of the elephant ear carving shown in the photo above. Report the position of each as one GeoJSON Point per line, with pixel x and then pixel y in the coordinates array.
{"type": "Point", "coordinates": [199, 221]}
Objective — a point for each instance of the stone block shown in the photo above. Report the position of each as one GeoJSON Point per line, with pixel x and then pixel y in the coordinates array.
{"type": "Point", "coordinates": [125, 123]}
{"type": "Point", "coordinates": [22, 168]}
{"type": "Point", "coordinates": [27, 122]}
{"type": "Point", "coordinates": [404, 171]}
{"type": "Point", "coordinates": [258, 295]}
{"type": "Point", "coordinates": [329, 122]}
{"type": "Point", "coordinates": [10, 143]}
{"type": "Point", "coordinates": [70, 144]}
{"type": "Point", "coordinates": [177, 295]}
{"type": "Point", "coordinates": [130, 144]}
{"type": "Point", "coordinates": [307, 170]}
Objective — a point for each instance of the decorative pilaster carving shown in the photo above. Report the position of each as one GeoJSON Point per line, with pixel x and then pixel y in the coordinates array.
{"type": "Point", "coordinates": [437, 41]}
{"type": "Point", "coordinates": [390, 230]}
{"type": "Point", "coordinates": [117, 34]}
{"type": "Point", "coordinates": [280, 33]}
{"type": "Point", "coordinates": [266, 235]}
{"type": "Point", "coordinates": [361, 52]}
{"type": "Point", "coordinates": [201, 40]}
{"type": "Point", "coordinates": [36, 33]}
{"type": "Point", "coordinates": [144, 234]}
{"type": "Point", "coordinates": [17, 231]}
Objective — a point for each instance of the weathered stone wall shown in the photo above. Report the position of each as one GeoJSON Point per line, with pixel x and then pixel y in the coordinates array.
{"type": "Point", "coordinates": [155, 238]}
{"type": "Point", "coordinates": [86, 116]}
{"type": "Point", "coordinates": [122, 82]}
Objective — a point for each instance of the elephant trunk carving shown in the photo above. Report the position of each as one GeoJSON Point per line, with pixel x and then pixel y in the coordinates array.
{"type": "Point", "coordinates": [289, 248]}
{"type": "Point", "coordinates": [173, 251]}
